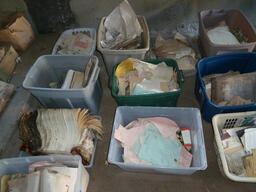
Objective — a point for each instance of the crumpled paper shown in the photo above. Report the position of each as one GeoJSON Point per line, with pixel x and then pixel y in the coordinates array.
{"type": "Point", "coordinates": [121, 25]}
{"type": "Point", "coordinates": [221, 35]}
{"type": "Point", "coordinates": [177, 48]}
{"type": "Point", "coordinates": [137, 77]}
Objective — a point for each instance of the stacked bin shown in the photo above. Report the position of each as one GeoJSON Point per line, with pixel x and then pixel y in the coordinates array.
{"type": "Point", "coordinates": [51, 68]}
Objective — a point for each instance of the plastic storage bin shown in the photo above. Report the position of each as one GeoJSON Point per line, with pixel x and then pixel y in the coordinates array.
{"type": "Point", "coordinates": [184, 117]}
{"type": "Point", "coordinates": [25, 154]}
{"type": "Point", "coordinates": [14, 165]}
{"type": "Point", "coordinates": [243, 62]}
{"type": "Point", "coordinates": [229, 120]}
{"type": "Point", "coordinates": [112, 57]}
{"type": "Point", "coordinates": [158, 99]}
{"type": "Point", "coordinates": [50, 68]}
{"type": "Point", "coordinates": [234, 19]}
{"type": "Point", "coordinates": [77, 30]}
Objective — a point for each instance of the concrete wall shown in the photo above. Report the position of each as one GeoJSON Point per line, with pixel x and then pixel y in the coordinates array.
{"type": "Point", "coordinates": [12, 5]}
{"type": "Point", "coordinates": [89, 12]}
{"type": "Point", "coordinates": [161, 14]}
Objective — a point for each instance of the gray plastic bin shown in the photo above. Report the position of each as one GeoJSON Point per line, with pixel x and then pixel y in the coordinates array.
{"type": "Point", "coordinates": [184, 117]}
{"type": "Point", "coordinates": [21, 164]}
{"type": "Point", "coordinates": [50, 68]}
{"type": "Point", "coordinates": [91, 31]}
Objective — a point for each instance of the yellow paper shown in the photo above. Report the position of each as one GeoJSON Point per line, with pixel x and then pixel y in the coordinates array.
{"type": "Point", "coordinates": [124, 67]}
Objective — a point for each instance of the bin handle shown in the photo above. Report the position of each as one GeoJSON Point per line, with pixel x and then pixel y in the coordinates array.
{"type": "Point", "coordinates": [110, 82]}
{"type": "Point", "coordinates": [182, 76]}
{"type": "Point", "coordinates": [95, 76]}
{"type": "Point", "coordinates": [210, 12]}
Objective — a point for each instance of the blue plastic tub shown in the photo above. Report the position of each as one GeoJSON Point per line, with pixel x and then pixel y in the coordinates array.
{"type": "Point", "coordinates": [184, 117]}
{"type": "Point", "coordinates": [243, 62]}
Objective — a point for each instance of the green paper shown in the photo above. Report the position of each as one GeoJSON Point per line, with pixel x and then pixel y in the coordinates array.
{"type": "Point", "coordinates": [152, 147]}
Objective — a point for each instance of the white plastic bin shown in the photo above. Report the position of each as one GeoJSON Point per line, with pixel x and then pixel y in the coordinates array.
{"type": "Point", "coordinates": [21, 164]}
{"type": "Point", "coordinates": [112, 57]}
{"type": "Point", "coordinates": [184, 117]}
{"type": "Point", "coordinates": [229, 120]}
{"type": "Point", "coordinates": [91, 31]}
{"type": "Point", "coordinates": [50, 68]}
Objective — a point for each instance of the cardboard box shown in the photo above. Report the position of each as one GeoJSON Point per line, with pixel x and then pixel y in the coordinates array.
{"type": "Point", "coordinates": [7, 62]}
{"type": "Point", "coordinates": [18, 32]}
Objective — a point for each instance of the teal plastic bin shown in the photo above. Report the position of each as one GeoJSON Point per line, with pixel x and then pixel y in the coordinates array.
{"type": "Point", "coordinates": [158, 99]}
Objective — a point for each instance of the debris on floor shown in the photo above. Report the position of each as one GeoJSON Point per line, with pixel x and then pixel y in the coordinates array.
{"type": "Point", "coordinates": [137, 77]}
{"type": "Point", "coordinates": [46, 131]}
{"type": "Point", "coordinates": [223, 35]}
{"type": "Point", "coordinates": [6, 91]}
{"type": "Point", "coordinates": [153, 141]}
{"type": "Point", "coordinates": [18, 32]}
{"type": "Point", "coordinates": [76, 43]}
{"type": "Point", "coordinates": [240, 147]}
{"type": "Point", "coordinates": [8, 60]}
{"type": "Point", "coordinates": [122, 28]}
{"type": "Point", "coordinates": [46, 176]}
{"type": "Point", "coordinates": [176, 48]}
{"type": "Point", "coordinates": [231, 88]}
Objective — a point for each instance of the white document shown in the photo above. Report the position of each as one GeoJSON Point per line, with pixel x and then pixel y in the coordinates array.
{"type": "Point", "coordinates": [249, 139]}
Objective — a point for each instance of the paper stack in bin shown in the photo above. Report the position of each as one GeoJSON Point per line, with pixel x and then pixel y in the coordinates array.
{"type": "Point", "coordinates": [43, 173]}
{"type": "Point", "coordinates": [236, 147]}
{"type": "Point", "coordinates": [45, 131]}
{"type": "Point", "coordinates": [50, 70]}
{"type": "Point", "coordinates": [229, 84]}
{"type": "Point", "coordinates": [78, 41]}
{"type": "Point", "coordinates": [122, 35]}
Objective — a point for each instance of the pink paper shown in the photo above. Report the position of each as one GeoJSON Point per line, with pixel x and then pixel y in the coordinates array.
{"type": "Point", "coordinates": [167, 127]}
{"type": "Point", "coordinates": [185, 158]}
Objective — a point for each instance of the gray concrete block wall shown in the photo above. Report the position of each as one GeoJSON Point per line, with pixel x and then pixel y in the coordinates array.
{"type": "Point", "coordinates": [162, 15]}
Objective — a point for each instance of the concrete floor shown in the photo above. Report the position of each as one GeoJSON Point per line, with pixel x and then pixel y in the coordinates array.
{"type": "Point", "coordinates": [109, 177]}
